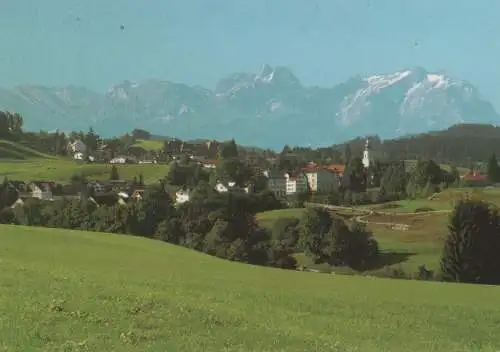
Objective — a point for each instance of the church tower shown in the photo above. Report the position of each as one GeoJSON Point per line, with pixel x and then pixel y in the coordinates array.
{"type": "Point", "coordinates": [366, 155]}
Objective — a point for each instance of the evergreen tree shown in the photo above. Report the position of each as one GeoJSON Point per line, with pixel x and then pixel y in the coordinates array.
{"type": "Point", "coordinates": [471, 249]}
{"type": "Point", "coordinates": [355, 176]}
{"type": "Point", "coordinates": [347, 154]}
{"type": "Point", "coordinates": [455, 176]}
{"type": "Point", "coordinates": [114, 175]}
{"type": "Point", "coordinates": [493, 169]}
{"type": "Point", "coordinates": [393, 183]}
{"type": "Point", "coordinates": [229, 150]}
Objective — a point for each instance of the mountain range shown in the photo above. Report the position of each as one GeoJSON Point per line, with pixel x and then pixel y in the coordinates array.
{"type": "Point", "coordinates": [268, 109]}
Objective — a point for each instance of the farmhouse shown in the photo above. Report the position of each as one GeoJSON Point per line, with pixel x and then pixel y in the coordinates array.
{"type": "Point", "coordinates": [321, 179]}
{"type": "Point", "coordinates": [475, 179]}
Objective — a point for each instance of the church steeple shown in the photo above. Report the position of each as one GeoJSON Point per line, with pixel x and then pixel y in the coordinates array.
{"type": "Point", "coordinates": [366, 155]}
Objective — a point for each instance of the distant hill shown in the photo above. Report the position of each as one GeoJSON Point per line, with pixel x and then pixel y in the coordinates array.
{"type": "Point", "coordinates": [458, 144]}
{"type": "Point", "coordinates": [15, 151]}
{"type": "Point", "coordinates": [268, 109]}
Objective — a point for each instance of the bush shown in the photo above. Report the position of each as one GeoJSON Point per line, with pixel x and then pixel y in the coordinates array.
{"type": "Point", "coordinates": [424, 209]}
{"type": "Point", "coordinates": [388, 206]}
{"type": "Point", "coordinates": [424, 274]}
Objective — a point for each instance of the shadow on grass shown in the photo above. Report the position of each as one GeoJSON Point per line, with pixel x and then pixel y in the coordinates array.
{"type": "Point", "coordinates": [391, 258]}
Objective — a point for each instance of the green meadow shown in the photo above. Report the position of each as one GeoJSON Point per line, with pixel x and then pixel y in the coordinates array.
{"type": "Point", "coordinates": [64, 290]}
{"type": "Point", "coordinates": [149, 144]}
{"type": "Point", "coordinates": [61, 170]}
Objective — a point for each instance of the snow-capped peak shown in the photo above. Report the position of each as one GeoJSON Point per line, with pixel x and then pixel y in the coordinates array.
{"type": "Point", "coordinates": [439, 81]}
{"type": "Point", "coordinates": [266, 74]}
{"type": "Point", "coordinates": [378, 82]}
{"type": "Point", "coordinates": [410, 90]}
{"type": "Point", "coordinates": [122, 91]}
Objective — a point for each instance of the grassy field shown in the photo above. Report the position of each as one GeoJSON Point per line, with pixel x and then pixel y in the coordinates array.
{"type": "Point", "coordinates": [76, 291]}
{"type": "Point", "coordinates": [421, 244]}
{"type": "Point", "coordinates": [149, 144]}
{"type": "Point", "coordinates": [268, 218]}
{"type": "Point", "coordinates": [14, 151]}
{"type": "Point", "coordinates": [61, 170]}
{"type": "Point", "coordinates": [445, 200]}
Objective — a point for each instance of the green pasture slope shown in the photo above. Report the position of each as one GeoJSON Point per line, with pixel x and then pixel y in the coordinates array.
{"type": "Point", "coordinates": [14, 151]}
{"type": "Point", "coordinates": [61, 170]}
{"type": "Point", "coordinates": [21, 163]}
{"type": "Point", "coordinates": [65, 290]}
{"type": "Point", "coordinates": [150, 144]}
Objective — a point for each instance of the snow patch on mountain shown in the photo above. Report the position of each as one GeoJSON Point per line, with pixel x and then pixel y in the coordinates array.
{"type": "Point", "coordinates": [417, 89]}
{"type": "Point", "coordinates": [439, 81]}
{"type": "Point", "coordinates": [184, 109]}
{"type": "Point", "coordinates": [377, 82]}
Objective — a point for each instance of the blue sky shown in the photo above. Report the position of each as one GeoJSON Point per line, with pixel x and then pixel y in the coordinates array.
{"type": "Point", "coordinates": [60, 42]}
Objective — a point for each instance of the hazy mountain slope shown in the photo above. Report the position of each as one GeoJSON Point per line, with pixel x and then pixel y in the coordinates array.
{"type": "Point", "coordinates": [270, 108]}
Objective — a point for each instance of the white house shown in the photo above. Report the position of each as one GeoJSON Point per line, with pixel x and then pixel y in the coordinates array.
{"type": "Point", "coordinates": [182, 196]}
{"type": "Point", "coordinates": [40, 191]}
{"type": "Point", "coordinates": [276, 183]}
{"type": "Point", "coordinates": [77, 146]}
{"type": "Point", "coordinates": [321, 180]}
{"type": "Point", "coordinates": [120, 160]}
{"type": "Point", "coordinates": [78, 156]}
{"type": "Point", "coordinates": [209, 164]}
{"type": "Point", "coordinates": [221, 188]}
{"type": "Point", "coordinates": [296, 184]}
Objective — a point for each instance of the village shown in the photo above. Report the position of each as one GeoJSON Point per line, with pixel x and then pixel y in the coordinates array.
{"type": "Point", "coordinates": [312, 178]}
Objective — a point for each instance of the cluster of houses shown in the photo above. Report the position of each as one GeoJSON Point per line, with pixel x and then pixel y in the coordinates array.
{"type": "Point", "coordinates": [176, 148]}
{"type": "Point", "coordinates": [100, 192]}
{"type": "Point", "coordinates": [105, 192]}
{"type": "Point", "coordinates": [314, 178]}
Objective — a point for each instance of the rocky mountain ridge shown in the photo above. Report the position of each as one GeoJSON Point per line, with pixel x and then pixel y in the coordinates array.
{"type": "Point", "coordinates": [268, 109]}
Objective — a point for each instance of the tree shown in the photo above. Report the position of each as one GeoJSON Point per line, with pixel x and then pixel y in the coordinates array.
{"type": "Point", "coordinates": [114, 175]}
{"type": "Point", "coordinates": [327, 238]}
{"type": "Point", "coordinates": [493, 169]}
{"type": "Point", "coordinates": [376, 172]}
{"type": "Point", "coordinates": [286, 232]}
{"type": "Point", "coordinates": [455, 176]}
{"type": "Point", "coordinates": [154, 208]}
{"type": "Point", "coordinates": [90, 140]}
{"type": "Point", "coordinates": [30, 213]}
{"type": "Point", "coordinates": [314, 224]}
{"type": "Point", "coordinates": [425, 178]}
{"type": "Point", "coordinates": [354, 176]}
{"type": "Point", "coordinates": [4, 125]}
{"type": "Point", "coordinates": [393, 182]}
{"type": "Point", "coordinates": [229, 150]}
{"type": "Point", "coordinates": [234, 170]}
{"type": "Point", "coordinates": [347, 154]}
{"type": "Point", "coordinates": [470, 252]}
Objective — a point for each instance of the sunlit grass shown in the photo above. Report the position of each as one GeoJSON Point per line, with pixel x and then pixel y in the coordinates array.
{"type": "Point", "coordinates": [64, 290]}
{"type": "Point", "coordinates": [61, 170]}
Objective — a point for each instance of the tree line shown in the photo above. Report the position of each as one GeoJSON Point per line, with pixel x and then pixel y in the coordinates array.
{"type": "Point", "coordinates": [219, 224]}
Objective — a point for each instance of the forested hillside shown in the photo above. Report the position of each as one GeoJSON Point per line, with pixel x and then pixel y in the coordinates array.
{"type": "Point", "coordinates": [460, 144]}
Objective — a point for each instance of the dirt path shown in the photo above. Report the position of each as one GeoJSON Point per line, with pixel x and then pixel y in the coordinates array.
{"type": "Point", "coordinates": [368, 212]}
